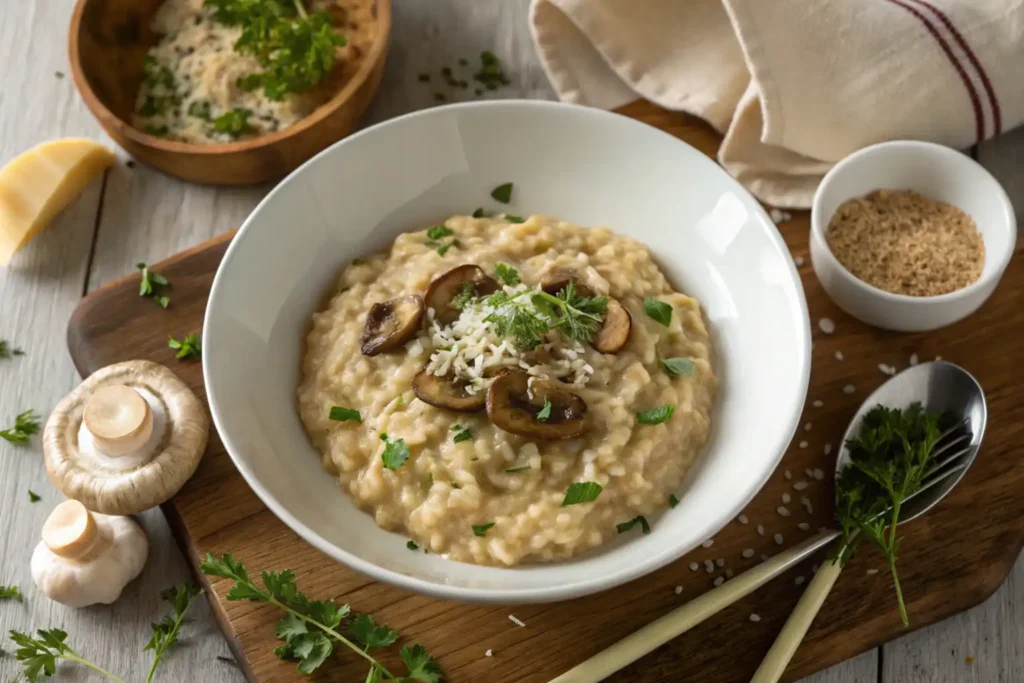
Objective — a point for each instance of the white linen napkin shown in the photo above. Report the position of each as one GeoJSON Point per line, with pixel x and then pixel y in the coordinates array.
{"type": "Point", "coordinates": [795, 85]}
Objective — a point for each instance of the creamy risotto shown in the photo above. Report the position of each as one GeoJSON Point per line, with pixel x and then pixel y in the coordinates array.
{"type": "Point", "coordinates": [507, 392]}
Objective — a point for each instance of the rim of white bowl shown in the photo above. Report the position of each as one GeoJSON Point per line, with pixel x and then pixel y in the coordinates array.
{"type": "Point", "coordinates": [954, 157]}
{"type": "Point", "coordinates": [585, 586]}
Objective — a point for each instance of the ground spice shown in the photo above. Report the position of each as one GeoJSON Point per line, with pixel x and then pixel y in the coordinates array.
{"type": "Point", "coordinates": [903, 242]}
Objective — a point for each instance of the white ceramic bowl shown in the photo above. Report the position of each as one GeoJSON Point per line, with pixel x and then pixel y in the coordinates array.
{"type": "Point", "coordinates": [939, 173]}
{"type": "Point", "coordinates": [584, 165]}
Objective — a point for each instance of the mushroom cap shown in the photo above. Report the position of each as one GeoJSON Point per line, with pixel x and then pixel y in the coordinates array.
{"type": "Point", "coordinates": [142, 480]}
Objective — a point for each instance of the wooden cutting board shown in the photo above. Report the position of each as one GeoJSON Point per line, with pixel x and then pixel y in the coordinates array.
{"type": "Point", "coordinates": [951, 559]}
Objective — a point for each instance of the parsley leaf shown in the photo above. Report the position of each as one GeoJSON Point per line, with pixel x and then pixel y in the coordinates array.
{"type": "Point", "coordinates": [165, 631]}
{"type": "Point", "coordinates": [422, 667]}
{"type": "Point", "coordinates": [678, 366]}
{"type": "Point", "coordinates": [25, 425]}
{"type": "Point", "coordinates": [544, 414]}
{"type": "Point", "coordinates": [339, 414]}
{"type": "Point", "coordinates": [578, 317]}
{"type": "Point", "coordinates": [514, 219]}
{"type": "Point", "coordinates": [481, 529]}
{"type": "Point", "coordinates": [490, 74]}
{"type": "Point", "coordinates": [411, 545]}
{"type": "Point", "coordinates": [39, 655]}
{"type": "Point", "coordinates": [659, 310]}
{"type": "Point", "coordinates": [7, 352]}
{"type": "Point", "coordinates": [11, 593]}
{"type": "Point", "coordinates": [639, 519]}
{"type": "Point", "coordinates": [189, 347]}
{"type": "Point", "coordinates": [439, 231]}
{"type": "Point", "coordinates": [365, 630]}
{"type": "Point", "coordinates": [480, 213]}
{"type": "Point", "coordinates": [235, 122]}
{"type": "Point", "coordinates": [507, 274]}
{"type": "Point", "coordinates": [672, 500]}
{"type": "Point", "coordinates": [467, 292]}
{"type": "Point", "coordinates": [396, 452]}
{"type": "Point", "coordinates": [581, 492]}
{"type": "Point", "coordinates": [655, 416]}
{"type": "Point", "coordinates": [889, 458]}
{"type": "Point", "coordinates": [502, 193]}
{"type": "Point", "coordinates": [33, 497]}
{"type": "Point", "coordinates": [150, 282]}
{"type": "Point", "coordinates": [464, 435]}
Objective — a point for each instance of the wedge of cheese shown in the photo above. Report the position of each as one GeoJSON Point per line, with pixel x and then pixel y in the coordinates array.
{"type": "Point", "coordinates": [40, 183]}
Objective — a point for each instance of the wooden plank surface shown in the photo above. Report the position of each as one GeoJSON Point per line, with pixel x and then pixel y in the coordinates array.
{"type": "Point", "coordinates": [159, 216]}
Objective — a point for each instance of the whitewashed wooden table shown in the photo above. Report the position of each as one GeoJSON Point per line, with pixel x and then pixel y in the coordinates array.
{"type": "Point", "coordinates": [139, 215]}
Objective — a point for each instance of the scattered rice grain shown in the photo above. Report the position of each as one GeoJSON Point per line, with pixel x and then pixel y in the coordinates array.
{"type": "Point", "coordinates": [708, 543]}
{"type": "Point", "coordinates": [800, 486]}
{"type": "Point", "coordinates": [786, 498]}
{"type": "Point", "coordinates": [827, 326]}
{"type": "Point", "coordinates": [679, 590]}
{"type": "Point", "coordinates": [755, 618]}
{"type": "Point", "coordinates": [778, 539]}
{"type": "Point", "coordinates": [718, 582]}
{"type": "Point", "coordinates": [839, 355]}
{"type": "Point", "coordinates": [489, 653]}
{"type": "Point", "coordinates": [803, 526]}
{"type": "Point", "coordinates": [787, 474]}
{"type": "Point", "coordinates": [849, 389]}
{"type": "Point", "coordinates": [818, 404]}
{"type": "Point", "coordinates": [516, 621]}
{"type": "Point", "coordinates": [783, 511]}
{"type": "Point", "coordinates": [760, 530]}
{"type": "Point", "coordinates": [798, 580]}
{"type": "Point", "coordinates": [720, 562]}
{"type": "Point", "coordinates": [742, 519]}
{"type": "Point", "coordinates": [748, 553]}
{"type": "Point", "coordinates": [694, 566]}
{"type": "Point", "coordinates": [872, 572]}
{"type": "Point", "coordinates": [913, 359]}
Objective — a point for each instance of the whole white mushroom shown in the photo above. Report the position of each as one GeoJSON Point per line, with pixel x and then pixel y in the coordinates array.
{"type": "Point", "coordinates": [127, 439]}
{"type": "Point", "coordinates": [87, 558]}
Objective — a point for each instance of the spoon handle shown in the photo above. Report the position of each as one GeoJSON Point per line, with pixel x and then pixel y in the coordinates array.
{"type": "Point", "coordinates": [795, 628]}
{"type": "Point", "coordinates": [682, 619]}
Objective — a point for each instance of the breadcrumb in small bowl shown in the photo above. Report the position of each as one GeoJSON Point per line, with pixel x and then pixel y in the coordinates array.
{"type": "Point", "coordinates": [910, 236]}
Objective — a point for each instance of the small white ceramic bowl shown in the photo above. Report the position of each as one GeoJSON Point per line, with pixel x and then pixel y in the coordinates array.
{"type": "Point", "coordinates": [940, 173]}
{"type": "Point", "coordinates": [584, 165]}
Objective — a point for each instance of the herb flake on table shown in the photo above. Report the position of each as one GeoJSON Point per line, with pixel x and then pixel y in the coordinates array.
{"type": "Point", "coordinates": [341, 414]}
{"type": "Point", "coordinates": [678, 366]}
{"type": "Point", "coordinates": [889, 458]}
{"type": "Point", "coordinates": [507, 274]}
{"type": "Point", "coordinates": [165, 631]}
{"type": "Point", "coordinates": [396, 452]}
{"type": "Point", "coordinates": [310, 629]}
{"type": "Point", "coordinates": [581, 492]}
{"type": "Point", "coordinates": [189, 347]}
{"type": "Point", "coordinates": [25, 425]}
{"type": "Point", "coordinates": [295, 49]}
{"type": "Point", "coordinates": [639, 519]}
{"type": "Point", "coordinates": [481, 529]}
{"type": "Point", "coordinates": [411, 545]}
{"type": "Point", "coordinates": [7, 351]}
{"type": "Point", "coordinates": [11, 593]}
{"type": "Point", "coordinates": [544, 414]}
{"type": "Point", "coordinates": [151, 283]}
{"type": "Point", "coordinates": [502, 193]}
{"type": "Point", "coordinates": [656, 416]}
{"type": "Point", "coordinates": [658, 310]}
{"type": "Point", "coordinates": [33, 497]}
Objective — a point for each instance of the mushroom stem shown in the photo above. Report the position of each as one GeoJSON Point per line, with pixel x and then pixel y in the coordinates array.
{"type": "Point", "coordinates": [70, 531]}
{"type": "Point", "coordinates": [119, 419]}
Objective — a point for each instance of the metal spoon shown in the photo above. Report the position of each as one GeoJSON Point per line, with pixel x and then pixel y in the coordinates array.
{"type": "Point", "coordinates": [939, 386]}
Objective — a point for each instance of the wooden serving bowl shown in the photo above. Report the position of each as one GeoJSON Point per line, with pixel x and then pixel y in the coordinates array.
{"type": "Point", "coordinates": [107, 42]}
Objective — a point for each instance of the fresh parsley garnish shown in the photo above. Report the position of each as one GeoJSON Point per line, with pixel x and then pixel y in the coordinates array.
{"type": "Point", "coordinates": [639, 519]}
{"type": "Point", "coordinates": [296, 50]}
{"type": "Point", "coordinates": [200, 109]}
{"type": "Point", "coordinates": [39, 655]}
{"type": "Point", "coordinates": [235, 122]}
{"type": "Point", "coordinates": [507, 274]}
{"type": "Point", "coordinates": [151, 283]}
{"type": "Point", "coordinates": [672, 500]}
{"type": "Point", "coordinates": [578, 316]}
{"type": "Point", "coordinates": [544, 414]}
{"type": "Point", "coordinates": [511, 218]}
{"type": "Point", "coordinates": [502, 193]}
{"type": "Point", "coordinates": [659, 310]}
{"type": "Point", "coordinates": [439, 231]}
{"type": "Point", "coordinates": [678, 366]}
{"type": "Point", "coordinates": [310, 629]}
{"type": "Point", "coordinates": [25, 425]}
{"type": "Point", "coordinates": [581, 492]}
{"type": "Point", "coordinates": [189, 347]}
{"type": "Point", "coordinates": [33, 497]}
{"type": "Point", "coordinates": [11, 593]}
{"type": "Point", "coordinates": [463, 435]}
{"type": "Point", "coordinates": [481, 529]}
{"type": "Point", "coordinates": [165, 631]}
{"type": "Point", "coordinates": [6, 351]}
{"type": "Point", "coordinates": [396, 452]}
{"type": "Point", "coordinates": [467, 292]}
{"type": "Point", "coordinates": [527, 316]}
{"type": "Point", "coordinates": [480, 213]}
{"type": "Point", "coordinates": [889, 458]}
{"type": "Point", "coordinates": [655, 416]}
{"type": "Point", "coordinates": [340, 414]}
{"type": "Point", "coordinates": [516, 316]}
{"type": "Point", "coordinates": [411, 545]}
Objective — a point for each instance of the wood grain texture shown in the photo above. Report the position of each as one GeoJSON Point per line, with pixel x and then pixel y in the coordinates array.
{"type": "Point", "coordinates": [952, 559]}
{"type": "Point", "coordinates": [107, 42]}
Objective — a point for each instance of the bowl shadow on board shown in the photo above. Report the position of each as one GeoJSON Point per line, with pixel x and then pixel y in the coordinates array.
{"type": "Point", "coordinates": [418, 214]}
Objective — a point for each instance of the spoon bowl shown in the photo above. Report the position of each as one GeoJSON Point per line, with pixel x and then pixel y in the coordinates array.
{"type": "Point", "coordinates": [942, 387]}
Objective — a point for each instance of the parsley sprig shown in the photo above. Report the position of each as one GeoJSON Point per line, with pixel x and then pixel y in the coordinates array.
{"type": "Point", "coordinates": [189, 347]}
{"type": "Point", "coordinates": [39, 655]}
{"type": "Point", "coordinates": [6, 351]}
{"type": "Point", "coordinates": [11, 593]}
{"type": "Point", "coordinates": [295, 49]}
{"type": "Point", "coordinates": [165, 631]}
{"type": "Point", "coordinates": [889, 459]}
{"type": "Point", "coordinates": [527, 316]}
{"type": "Point", "coordinates": [310, 629]}
{"type": "Point", "coordinates": [25, 425]}
{"type": "Point", "coordinates": [151, 284]}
